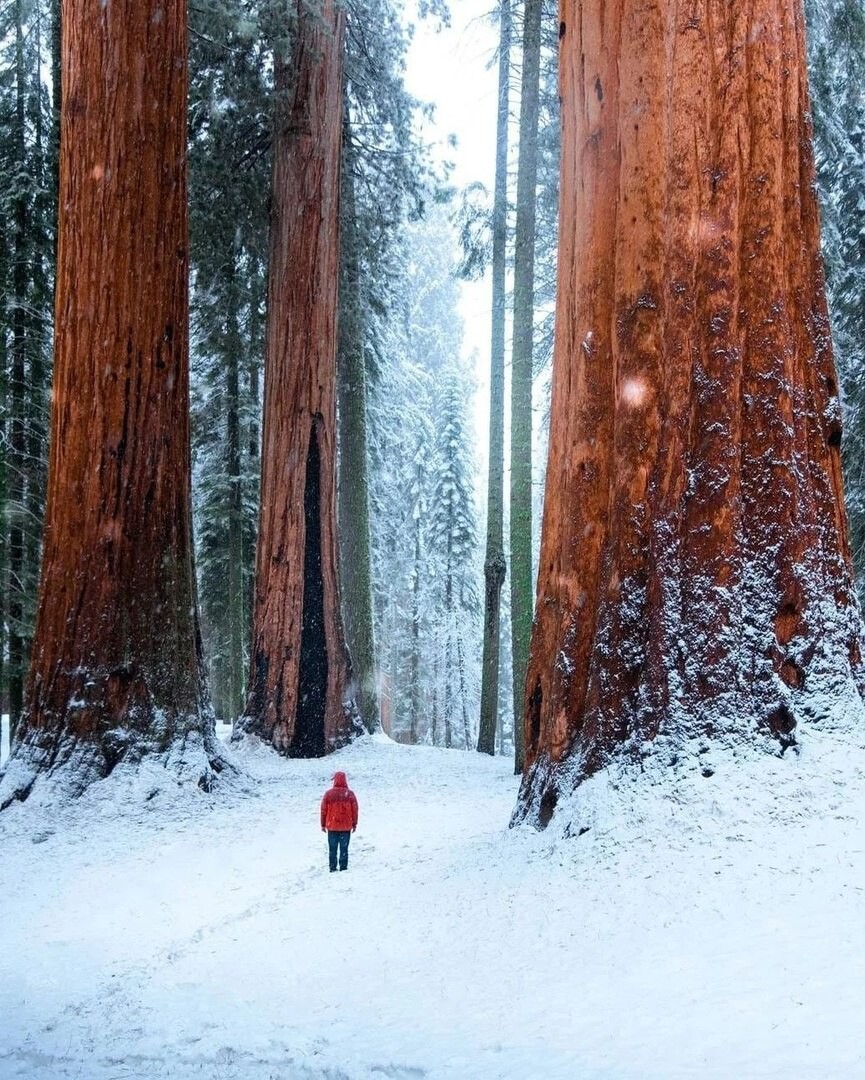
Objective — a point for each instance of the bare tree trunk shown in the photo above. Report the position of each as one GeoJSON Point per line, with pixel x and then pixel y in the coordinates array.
{"type": "Point", "coordinates": [695, 578]}
{"type": "Point", "coordinates": [21, 331]}
{"type": "Point", "coordinates": [42, 259]}
{"type": "Point", "coordinates": [461, 670]}
{"type": "Point", "coordinates": [521, 368]}
{"type": "Point", "coordinates": [236, 620]}
{"type": "Point", "coordinates": [354, 530]}
{"type": "Point", "coordinates": [395, 690]}
{"type": "Point", "coordinates": [300, 671]}
{"type": "Point", "coordinates": [494, 564]}
{"type": "Point", "coordinates": [434, 711]}
{"type": "Point", "coordinates": [56, 90]}
{"type": "Point", "coordinates": [450, 628]}
{"type": "Point", "coordinates": [4, 478]}
{"type": "Point", "coordinates": [254, 466]}
{"type": "Point", "coordinates": [415, 658]}
{"type": "Point", "coordinates": [116, 669]}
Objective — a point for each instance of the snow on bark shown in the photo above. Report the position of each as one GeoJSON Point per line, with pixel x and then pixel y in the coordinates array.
{"type": "Point", "coordinates": [300, 673]}
{"type": "Point", "coordinates": [116, 671]}
{"type": "Point", "coordinates": [695, 587]}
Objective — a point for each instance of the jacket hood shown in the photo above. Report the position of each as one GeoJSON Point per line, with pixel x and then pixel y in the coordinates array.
{"type": "Point", "coordinates": [339, 779]}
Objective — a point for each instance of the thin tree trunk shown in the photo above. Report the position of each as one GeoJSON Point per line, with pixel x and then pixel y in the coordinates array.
{"type": "Point", "coordinates": [4, 480]}
{"type": "Point", "coordinates": [435, 696]}
{"type": "Point", "coordinates": [17, 426]}
{"type": "Point", "coordinates": [494, 564]}
{"type": "Point", "coordinates": [521, 368]}
{"type": "Point", "coordinates": [56, 93]}
{"type": "Point", "coordinates": [414, 664]}
{"type": "Point", "coordinates": [44, 204]}
{"type": "Point", "coordinates": [394, 666]}
{"type": "Point", "coordinates": [116, 669]}
{"type": "Point", "coordinates": [354, 526]}
{"type": "Point", "coordinates": [695, 588]}
{"type": "Point", "coordinates": [300, 673]}
{"type": "Point", "coordinates": [254, 465]}
{"type": "Point", "coordinates": [236, 620]}
{"type": "Point", "coordinates": [449, 632]}
{"type": "Point", "coordinates": [461, 669]}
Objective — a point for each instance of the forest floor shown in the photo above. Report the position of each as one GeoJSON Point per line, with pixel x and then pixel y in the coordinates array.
{"type": "Point", "coordinates": [711, 929]}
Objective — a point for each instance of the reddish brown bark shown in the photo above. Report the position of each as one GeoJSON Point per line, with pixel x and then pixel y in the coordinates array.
{"type": "Point", "coordinates": [695, 579]}
{"type": "Point", "coordinates": [116, 668]}
{"type": "Point", "coordinates": [299, 665]}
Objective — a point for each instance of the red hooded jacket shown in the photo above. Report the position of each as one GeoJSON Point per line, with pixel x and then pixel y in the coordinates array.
{"type": "Point", "coordinates": [339, 806]}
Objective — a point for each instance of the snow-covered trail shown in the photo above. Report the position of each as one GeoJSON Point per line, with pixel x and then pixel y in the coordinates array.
{"type": "Point", "coordinates": [198, 937]}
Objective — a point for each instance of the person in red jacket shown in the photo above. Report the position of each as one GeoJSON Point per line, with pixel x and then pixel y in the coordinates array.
{"type": "Point", "coordinates": [338, 819]}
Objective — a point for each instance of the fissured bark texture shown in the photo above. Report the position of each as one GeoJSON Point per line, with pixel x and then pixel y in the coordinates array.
{"type": "Point", "coordinates": [116, 667]}
{"type": "Point", "coordinates": [299, 664]}
{"type": "Point", "coordinates": [695, 583]}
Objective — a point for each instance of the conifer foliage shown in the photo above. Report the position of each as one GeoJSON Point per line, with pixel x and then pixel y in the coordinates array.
{"type": "Point", "coordinates": [28, 166]}
{"type": "Point", "coordinates": [837, 72]}
{"type": "Point", "coordinates": [230, 171]}
{"type": "Point", "coordinates": [426, 552]}
{"type": "Point", "coordinates": [383, 174]}
{"type": "Point", "coordinates": [453, 539]}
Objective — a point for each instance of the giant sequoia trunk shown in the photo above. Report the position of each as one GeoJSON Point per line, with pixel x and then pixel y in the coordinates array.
{"type": "Point", "coordinates": [299, 670]}
{"type": "Point", "coordinates": [116, 667]}
{"type": "Point", "coordinates": [695, 585]}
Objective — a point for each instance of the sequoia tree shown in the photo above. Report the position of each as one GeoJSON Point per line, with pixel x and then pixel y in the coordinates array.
{"type": "Point", "coordinates": [116, 662]}
{"type": "Point", "coordinates": [299, 671]}
{"type": "Point", "coordinates": [695, 588]}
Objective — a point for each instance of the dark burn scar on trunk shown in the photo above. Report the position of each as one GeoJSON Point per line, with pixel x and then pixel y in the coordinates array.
{"type": "Point", "coordinates": [309, 740]}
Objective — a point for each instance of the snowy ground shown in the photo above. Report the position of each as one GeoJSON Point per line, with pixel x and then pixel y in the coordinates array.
{"type": "Point", "coordinates": [712, 931]}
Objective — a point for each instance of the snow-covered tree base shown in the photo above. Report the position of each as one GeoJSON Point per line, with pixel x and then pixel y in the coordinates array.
{"type": "Point", "coordinates": [64, 768]}
{"type": "Point", "coordinates": [252, 731]}
{"type": "Point", "coordinates": [832, 708]}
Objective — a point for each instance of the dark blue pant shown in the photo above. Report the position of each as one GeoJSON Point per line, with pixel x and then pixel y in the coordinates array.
{"type": "Point", "coordinates": [338, 840]}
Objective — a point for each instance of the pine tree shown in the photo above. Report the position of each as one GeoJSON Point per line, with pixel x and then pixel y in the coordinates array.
{"type": "Point", "coordinates": [429, 646]}
{"type": "Point", "coordinates": [385, 178]}
{"type": "Point", "coordinates": [28, 202]}
{"type": "Point", "coordinates": [454, 545]}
